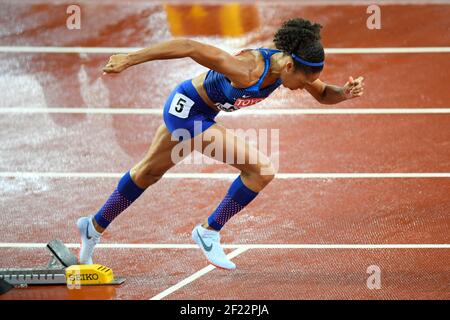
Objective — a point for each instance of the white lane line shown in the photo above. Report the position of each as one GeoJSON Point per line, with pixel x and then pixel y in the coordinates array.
{"type": "Point", "coordinates": [357, 2]}
{"type": "Point", "coordinates": [387, 50]}
{"type": "Point", "coordinates": [88, 175]}
{"type": "Point", "coordinates": [33, 245]}
{"type": "Point", "coordinates": [109, 50]}
{"type": "Point", "coordinates": [152, 111]}
{"type": "Point", "coordinates": [261, 2]}
{"type": "Point", "coordinates": [263, 112]}
{"type": "Point", "coordinates": [195, 276]}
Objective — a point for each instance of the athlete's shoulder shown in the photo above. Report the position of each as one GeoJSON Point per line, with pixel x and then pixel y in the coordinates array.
{"type": "Point", "coordinates": [240, 52]}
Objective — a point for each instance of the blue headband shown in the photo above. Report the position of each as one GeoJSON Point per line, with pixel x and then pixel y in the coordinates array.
{"type": "Point", "coordinates": [306, 63]}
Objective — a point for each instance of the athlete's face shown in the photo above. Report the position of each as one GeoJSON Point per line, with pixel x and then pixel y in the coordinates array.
{"type": "Point", "coordinates": [296, 79]}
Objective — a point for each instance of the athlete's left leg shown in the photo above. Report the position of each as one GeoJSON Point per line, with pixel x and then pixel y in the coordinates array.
{"type": "Point", "coordinates": [144, 174]}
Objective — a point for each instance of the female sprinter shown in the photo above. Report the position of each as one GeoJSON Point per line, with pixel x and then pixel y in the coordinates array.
{"type": "Point", "coordinates": [294, 60]}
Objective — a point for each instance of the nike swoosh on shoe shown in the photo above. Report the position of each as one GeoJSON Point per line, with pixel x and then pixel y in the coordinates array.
{"type": "Point", "coordinates": [87, 231]}
{"type": "Point", "coordinates": [207, 248]}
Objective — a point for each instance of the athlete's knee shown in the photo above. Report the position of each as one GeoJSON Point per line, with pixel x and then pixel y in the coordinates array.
{"type": "Point", "coordinates": [146, 174]}
{"type": "Point", "coordinates": [263, 176]}
{"type": "Point", "coordinates": [267, 174]}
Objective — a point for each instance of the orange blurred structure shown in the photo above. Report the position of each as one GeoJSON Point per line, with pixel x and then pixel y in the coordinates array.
{"type": "Point", "coordinates": [231, 19]}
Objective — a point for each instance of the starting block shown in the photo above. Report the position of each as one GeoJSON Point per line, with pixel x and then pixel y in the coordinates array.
{"type": "Point", "coordinates": [63, 268]}
{"type": "Point", "coordinates": [5, 286]}
{"type": "Point", "coordinates": [61, 254]}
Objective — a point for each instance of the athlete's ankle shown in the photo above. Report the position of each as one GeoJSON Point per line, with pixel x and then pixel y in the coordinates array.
{"type": "Point", "coordinates": [97, 227]}
{"type": "Point", "coordinates": [208, 227]}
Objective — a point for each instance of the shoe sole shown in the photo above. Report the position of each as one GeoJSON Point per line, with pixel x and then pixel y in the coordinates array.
{"type": "Point", "coordinates": [222, 268]}
{"type": "Point", "coordinates": [81, 238]}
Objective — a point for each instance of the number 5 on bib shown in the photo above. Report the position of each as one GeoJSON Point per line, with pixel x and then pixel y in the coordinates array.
{"type": "Point", "coordinates": [180, 106]}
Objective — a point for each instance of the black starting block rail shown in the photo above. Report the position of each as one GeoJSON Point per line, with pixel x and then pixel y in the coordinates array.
{"type": "Point", "coordinates": [18, 277]}
{"type": "Point", "coordinates": [62, 259]}
{"type": "Point", "coordinates": [52, 274]}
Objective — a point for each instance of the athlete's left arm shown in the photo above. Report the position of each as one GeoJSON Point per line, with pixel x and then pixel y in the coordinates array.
{"type": "Point", "coordinates": [330, 94]}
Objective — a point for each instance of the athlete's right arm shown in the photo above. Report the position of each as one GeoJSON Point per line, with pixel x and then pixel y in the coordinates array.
{"type": "Point", "coordinates": [204, 54]}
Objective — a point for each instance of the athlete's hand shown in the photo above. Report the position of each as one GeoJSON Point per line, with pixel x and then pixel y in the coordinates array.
{"type": "Point", "coordinates": [354, 87]}
{"type": "Point", "coordinates": [117, 63]}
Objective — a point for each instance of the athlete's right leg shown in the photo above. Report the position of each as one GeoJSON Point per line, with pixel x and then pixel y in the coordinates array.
{"type": "Point", "coordinates": [256, 172]}
{"type": "Point", "coordinates": [145, 173]}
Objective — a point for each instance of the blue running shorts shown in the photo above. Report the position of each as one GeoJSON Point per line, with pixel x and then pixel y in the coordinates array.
{"type": "Point", "coordinates": [186, 114]}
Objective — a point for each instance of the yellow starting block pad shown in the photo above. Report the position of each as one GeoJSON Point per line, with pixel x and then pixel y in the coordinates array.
{"type": "Point", "coordinates": [91, 274]}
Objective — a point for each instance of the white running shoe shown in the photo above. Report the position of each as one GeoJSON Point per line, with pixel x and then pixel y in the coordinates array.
{"type": "Point", "coordinates": [209, 242]}
{"type": "Point", "coordinates": [89, 238]}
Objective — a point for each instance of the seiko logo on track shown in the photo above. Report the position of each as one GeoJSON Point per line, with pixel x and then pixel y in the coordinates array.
{"type": "Point", "coordinates": [83, 277]}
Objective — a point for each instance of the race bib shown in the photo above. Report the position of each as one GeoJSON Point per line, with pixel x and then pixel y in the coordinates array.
{"type": "Point", "coordinates": [180, 106]}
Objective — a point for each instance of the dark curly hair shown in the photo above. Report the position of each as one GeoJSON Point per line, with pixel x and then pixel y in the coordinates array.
{"type": "Point", "coordinates": [302, 38]}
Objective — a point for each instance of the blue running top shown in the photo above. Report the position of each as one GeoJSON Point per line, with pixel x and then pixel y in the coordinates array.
{"type": "Point", "coordinates": [228, 98]}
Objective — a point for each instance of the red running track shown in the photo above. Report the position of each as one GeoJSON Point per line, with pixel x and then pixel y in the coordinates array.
{"type": "Point", "coordinates": [292, 211]}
